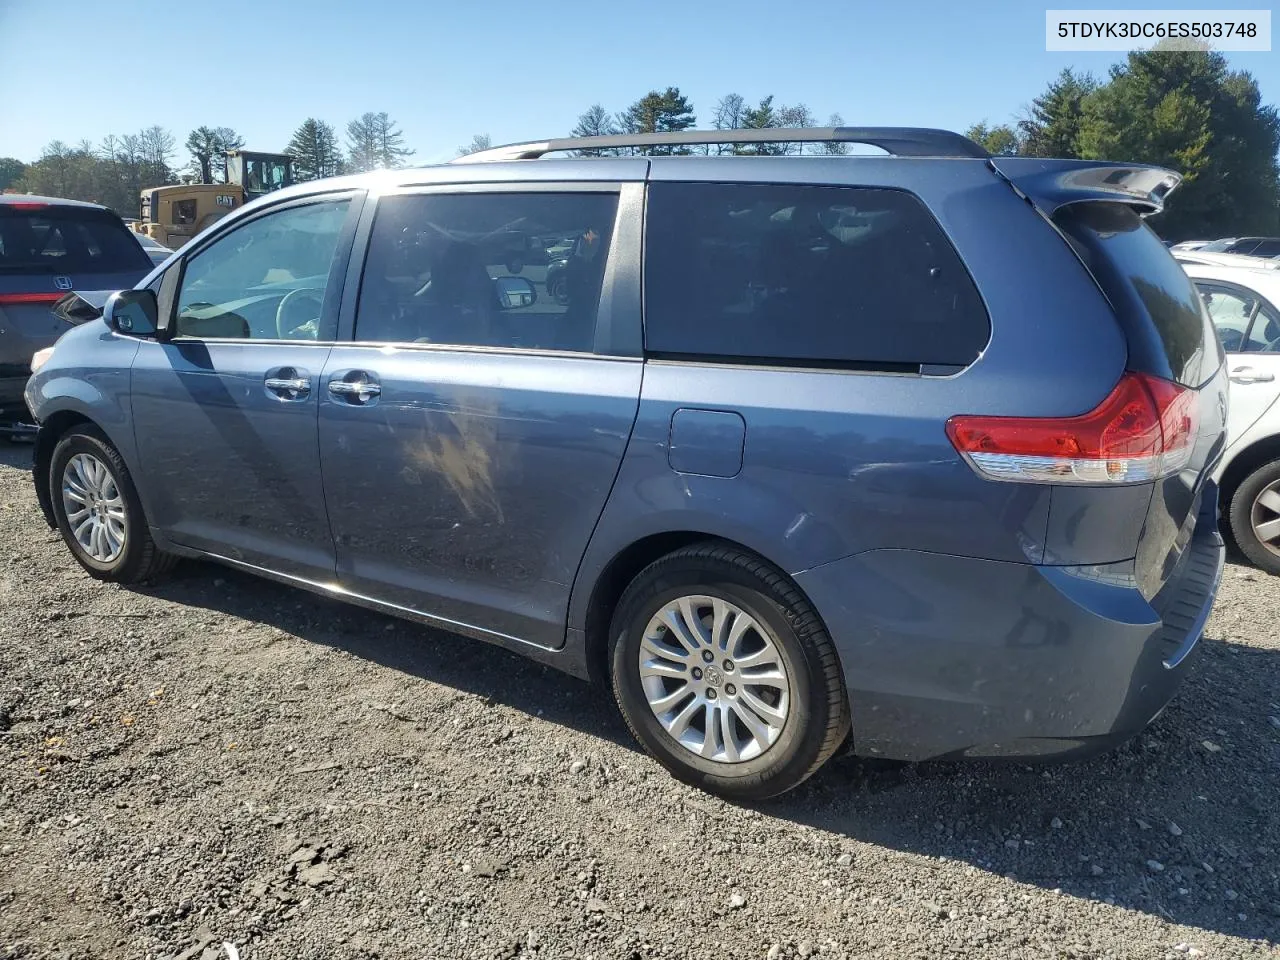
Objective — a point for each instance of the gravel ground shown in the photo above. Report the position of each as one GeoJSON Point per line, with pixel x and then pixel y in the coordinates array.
{"type": "Point", "coordinates": [218, 760]}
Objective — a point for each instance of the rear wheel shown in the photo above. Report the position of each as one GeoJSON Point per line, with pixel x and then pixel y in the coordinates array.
{"type": "Point", "coordinates": [1255, 517]}
{"type": "Point", "coordinates": [98, 511]}
{"type": "Point", "coordinates": [725, 674]}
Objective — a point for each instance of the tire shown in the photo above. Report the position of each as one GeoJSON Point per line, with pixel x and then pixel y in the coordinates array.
{"type": "Point", "coordinates": [722, 753]}
{"type": "Point", "coordinates": [558, 289]}
{"type": "Point", "coordinates": [80, 454]}
{"type": "Point", "coordinates": [1257, 499]}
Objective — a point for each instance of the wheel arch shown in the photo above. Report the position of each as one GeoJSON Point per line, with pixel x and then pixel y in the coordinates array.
{"type": "Point", "coordinates": [624, 566]}
{"type": "Point", "coordinates": [53, 429]}
{"type": "Point", "coordinates": [1260, 452]}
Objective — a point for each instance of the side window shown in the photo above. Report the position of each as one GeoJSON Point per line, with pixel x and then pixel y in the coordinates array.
{"type": "Point", "coordinates": [521, 270]}
{"type": "Point", "coordinates": [805, 274]}
{"type": "Point", "coordinates": [184, 211]}
{"type": "Point", "coordinates": [1232, 312]}
{"type": "Point", "coordinates": [265, 279]}
{"type": "Point", "coordinates": [1267, 248]}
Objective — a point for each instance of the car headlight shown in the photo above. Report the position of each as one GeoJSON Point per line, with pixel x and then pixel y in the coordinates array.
{"type": "Point", "coordinates": [40, 358]}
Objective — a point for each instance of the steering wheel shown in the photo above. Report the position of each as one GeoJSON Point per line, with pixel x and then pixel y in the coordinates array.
{"type": "Point", "coordinates": [298, 315]}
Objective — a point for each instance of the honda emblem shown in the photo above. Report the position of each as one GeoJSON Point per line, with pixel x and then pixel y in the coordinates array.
{"type": "Point", "coordinates": [62, 283]}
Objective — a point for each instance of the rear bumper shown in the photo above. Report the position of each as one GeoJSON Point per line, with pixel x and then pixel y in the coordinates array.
{"type": "Point", "coordinates": [955, 657]}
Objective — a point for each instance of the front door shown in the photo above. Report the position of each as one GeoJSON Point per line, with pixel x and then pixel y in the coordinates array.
{"type": "Point", "coordinates": [225, 413]}
{"type": "Point", "coordinates": [472, 430]}
{"type": "Point", "coordinates": [1249, 328]}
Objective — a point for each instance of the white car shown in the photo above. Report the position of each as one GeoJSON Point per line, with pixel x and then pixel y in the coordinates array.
{"type": "Point", "coordinates": [1244, 305]}
{"type": "Point", "coordinates": [1202, 258]}
{"type": "Point", "coordinates": [157, 251]}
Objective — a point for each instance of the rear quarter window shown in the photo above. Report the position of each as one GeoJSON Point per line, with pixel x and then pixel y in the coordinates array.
{"type": "Point", "coordinates": [67, 240]}
{"type": "Point", "coordinates": [812, 275]}
{"type": "Point", "coordinates": [1168, 331]}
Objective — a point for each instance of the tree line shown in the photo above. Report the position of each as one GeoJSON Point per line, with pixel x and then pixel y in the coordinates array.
{"type": "Point", "coordinates": [116, 170]}
{"type": "Point", "coordinates": [666, 111]}
{"type": "Point", "coordinates": [1183, 110]}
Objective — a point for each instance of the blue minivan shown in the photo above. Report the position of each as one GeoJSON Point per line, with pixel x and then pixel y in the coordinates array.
{"type": "Point", "coordinates": [910, 453]}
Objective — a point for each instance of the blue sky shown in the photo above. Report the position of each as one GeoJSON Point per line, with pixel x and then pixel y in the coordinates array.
{"type": "Point", "coordinates": [514, 70]}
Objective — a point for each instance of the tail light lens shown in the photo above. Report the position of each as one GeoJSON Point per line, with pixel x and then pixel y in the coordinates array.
{"type": "Point", "coordinates": [1144, 429]}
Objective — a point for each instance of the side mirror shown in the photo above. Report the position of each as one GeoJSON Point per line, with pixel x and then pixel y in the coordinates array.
{"type": "Point", "coordinates": [134, 313]}
{"type": "Point", "coordinates": [515, 292]}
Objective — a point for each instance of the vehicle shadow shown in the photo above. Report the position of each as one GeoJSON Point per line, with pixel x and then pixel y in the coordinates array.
{"type": "Point", "coordinates": [478, 668]}
{"type": "Point", "coordinates": [1181, 823]}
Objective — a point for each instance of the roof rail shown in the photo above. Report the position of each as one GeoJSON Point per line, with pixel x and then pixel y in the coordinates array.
{"type": "Point", "coordinates": [898, 141]}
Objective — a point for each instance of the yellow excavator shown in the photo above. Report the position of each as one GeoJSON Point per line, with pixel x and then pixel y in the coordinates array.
{"type": "Point", "coordinates": [174, 214]}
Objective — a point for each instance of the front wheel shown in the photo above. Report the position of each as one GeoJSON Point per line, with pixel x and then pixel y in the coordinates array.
{"type": "Point", "coordinates": [98, 511]}
{"type": "Point", "coordinates": [725, 674]}
{"type": "Point", "coordinates": [558, 288]}
{"type": "Point", "coordinates": [1255, 517]}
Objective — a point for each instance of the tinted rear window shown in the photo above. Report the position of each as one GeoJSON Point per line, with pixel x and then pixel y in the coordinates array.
{"type": "Point", "coordinates": [844, 276]}
{"type": "Point", "coordinates": [67, 240]}
{"type": "Point", "coordinates": [1168, 332]}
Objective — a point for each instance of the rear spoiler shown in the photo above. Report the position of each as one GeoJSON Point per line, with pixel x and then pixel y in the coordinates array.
{"type": "Point", "coordinates": [1050, 185]}
{"type": "Point", "coordinates": [81, 306]}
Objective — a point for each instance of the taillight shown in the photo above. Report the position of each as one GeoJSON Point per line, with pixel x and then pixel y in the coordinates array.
{"type": "Point", "coordinates": [1144, 429]}
{"type": "Point", "coordinates": [9, 299]}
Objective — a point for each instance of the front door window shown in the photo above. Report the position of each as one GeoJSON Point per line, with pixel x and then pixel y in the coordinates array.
{"type": "Point", "coordinates": [264, 280]}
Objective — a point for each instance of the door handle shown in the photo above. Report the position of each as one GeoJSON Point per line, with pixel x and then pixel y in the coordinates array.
{"type": "Point", "coordinates": [355, 387]}
{"type": "Point", "coordinates": [1249, 375]}
{"type": "Point", "coordinates": [288, 384]}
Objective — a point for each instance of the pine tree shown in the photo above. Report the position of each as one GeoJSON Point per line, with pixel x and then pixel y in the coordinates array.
{"type": "Point", "coordinates": [315, 151]}
{"type": "Point", "coordinates": [375, 143]}
{"type": "Point", "coordinates": [667, 111]}
{"type": "Point", "coordinates": [761, 117]}
{"type": "Point", "coordinates": [1052, 126]}
{"type": "Point", "coordinates": [595, 122]}
{"type": "Point", "coordinates": [1187, 111]}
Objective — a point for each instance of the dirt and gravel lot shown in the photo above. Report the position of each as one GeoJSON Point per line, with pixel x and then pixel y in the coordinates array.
{"type": "Point", "coordinates": [217, 760]}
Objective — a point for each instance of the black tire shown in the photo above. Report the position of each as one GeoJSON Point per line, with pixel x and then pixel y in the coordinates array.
{"type": "Point", "coordinates": [1240, 516]}
{"type": "Point", "coordinates": [818, 719]}
{"type": "Point", "coordinates": [140, 559]}
{"type": "Point", "coordinates": [558, 289]}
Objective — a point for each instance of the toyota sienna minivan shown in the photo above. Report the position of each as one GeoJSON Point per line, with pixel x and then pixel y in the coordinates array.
{"type": "Point", "coordinates": [911, 453]}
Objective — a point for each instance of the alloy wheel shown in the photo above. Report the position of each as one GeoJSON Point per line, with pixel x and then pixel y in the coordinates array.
{"type": "Point", "coordinates": [714, 677]}
{"type": "Point", "coordinates": [94, 506]}
{"type": "Point", "coordinates": [1265, 517]}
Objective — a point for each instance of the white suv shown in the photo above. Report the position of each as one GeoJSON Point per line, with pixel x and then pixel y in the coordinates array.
{"type": "Point", "coordinates": [1245, 307]}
